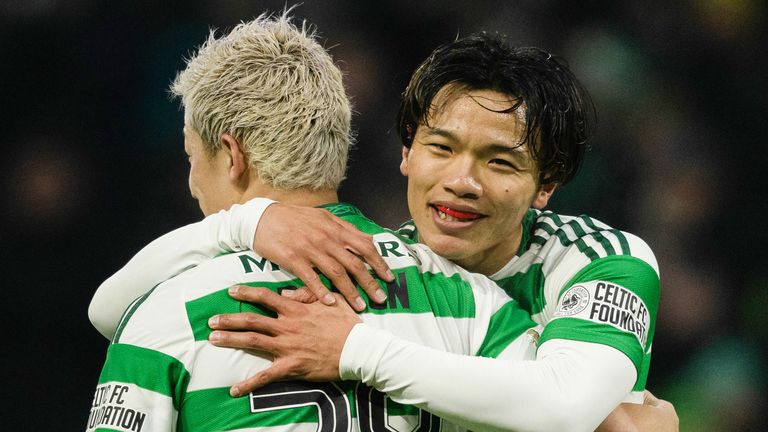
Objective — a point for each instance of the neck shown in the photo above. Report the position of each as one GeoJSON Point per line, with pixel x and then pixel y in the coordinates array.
{"type": "Point", "coordinates": [299, 197]}
{"type": "Point", "coordinates": [493, 259]}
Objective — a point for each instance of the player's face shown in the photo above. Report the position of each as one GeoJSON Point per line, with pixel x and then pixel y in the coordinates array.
{"type": "Point", "coordinates": [208, 176]}
{"type": "Point", "coordinates": [470, 182]}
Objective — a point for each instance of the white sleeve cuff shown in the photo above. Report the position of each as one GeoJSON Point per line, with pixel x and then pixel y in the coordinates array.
{"type": "Point", "coordinates": [243, 221]}
{"type": "Point", "coordinates": [364, 348]}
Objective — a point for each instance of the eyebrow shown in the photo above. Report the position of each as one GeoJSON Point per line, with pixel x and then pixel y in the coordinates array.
{"type": "Point", "coordinates": [515, 150]}
{"type": "Point", "coordinates": [440, 132]}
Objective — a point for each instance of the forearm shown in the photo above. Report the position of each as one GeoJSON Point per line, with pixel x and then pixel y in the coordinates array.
{"type": "Point", "coordinates": [571, 385]}
{"type": "Point", "coordinates": [171, 254]}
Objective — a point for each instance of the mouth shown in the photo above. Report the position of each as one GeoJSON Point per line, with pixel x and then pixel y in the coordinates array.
{"type": "Point", "coordinates": [453, 215]}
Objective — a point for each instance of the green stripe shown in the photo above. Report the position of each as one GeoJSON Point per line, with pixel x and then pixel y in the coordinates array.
{"type": "Point", "coordinates": [605, 242]}
{"type": "Point", "coordinates": [589, 331]}
{"type": "Point", "coordinates": [547, 228]}
{"type": "Point", "coordinates": [539, 240]}
{"type": "Point", "coordinates": [597, 235]}
{"type": "Point", "coordinates": [554, 217]}
{"type": "Point", "coordinates": [577, 228]}
{"type": "Point", "coordinates": [506, 325]}
{"type": "Point", "coordinates": [580, 234]}
{"type": "Point", "coordinates": [622, 241]}
{"type": "Point", "coordinates": [148, 369]}
{"type": "Point", "coordinates": [590, 223]}
{"type": "Point", "coordinates": [214, 410]}
{"type": "Point", "coordinates": [643, 377]}
{"type": "Point", "coordinates": [341, 209]}
{"type": "Point", "coordinates": [426, 293]}
{"type": "Point", "coordinates": [528, 221]}
{"type": "Point", "coordinates": [527, 288]}
{"type": "Point", "coordinates": [630, 272]}
{"type": "Point", "coordinates": [129, 313]}
{"type": "Point", "coordinates": [586, 250]}
{"type": "Point", "coordinates": [633, 274]}
{"type": "Point", "coordinates": [219, 302]}
{"type": "Point", "coordinates": [446, 296]}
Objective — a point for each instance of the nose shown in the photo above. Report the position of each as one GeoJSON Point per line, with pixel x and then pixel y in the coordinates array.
{"type": "Point", "coordinates": [463, 183]}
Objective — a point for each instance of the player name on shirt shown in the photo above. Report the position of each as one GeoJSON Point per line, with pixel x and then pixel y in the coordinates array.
{"type": "Point", "coordinates": [397, 290]}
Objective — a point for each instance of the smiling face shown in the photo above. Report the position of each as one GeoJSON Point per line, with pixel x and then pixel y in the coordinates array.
{"type": "Point", "coordinates": [470, 181]}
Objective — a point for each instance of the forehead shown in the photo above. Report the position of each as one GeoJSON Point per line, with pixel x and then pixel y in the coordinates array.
{"type": "Point", "coordinates": [491, 100]}
{"type": "Point", "coordinates": [485, 115]}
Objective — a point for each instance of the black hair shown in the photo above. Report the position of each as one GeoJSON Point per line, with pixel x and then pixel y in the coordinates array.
{"type": "Point", "coordinates": [559, 113]}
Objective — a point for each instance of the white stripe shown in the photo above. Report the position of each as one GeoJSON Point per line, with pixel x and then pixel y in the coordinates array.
{"type": "Point", "coordinates": [163, 309]}
{"type": "Point", "coordinates": [217, 367]}
{"type": "Point", "coordinates": [596, 246]}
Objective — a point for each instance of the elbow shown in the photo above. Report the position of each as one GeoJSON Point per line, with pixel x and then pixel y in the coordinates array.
{"type": "Point", "coordinates": [100, 319]}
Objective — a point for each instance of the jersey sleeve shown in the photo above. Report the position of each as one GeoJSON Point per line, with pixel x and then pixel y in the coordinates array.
{"type": "Point", "coordinates": [144, 378]}
{"type": "Point", "coordinates": [169, 255]}
{"type": "Point", "coordinates": [612, 301]}
{"type": "Point", "coordinates": [520, 389]}
{"type": "Point", "coordinates": [571, 385]}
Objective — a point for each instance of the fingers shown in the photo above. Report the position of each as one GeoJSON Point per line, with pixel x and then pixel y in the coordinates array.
{"type": "Point", "coordinates": [650, 399]}
{"type": "Point", "coordinates": [359, 272]}
{"type": "Point", "coordinates": [242, 321]}
{"type": "Point", "coordinates": [302, 295]}
{"type": "Point", "coordinates": [243, 340]}
{"type": "Point", "coordinates": [362, 244]}
{"type": "Point", "coordinates": [261, 296]}
{"type": "Point", "coordinates": [313, 283]}
{"type": "Point", "coordinates": [268, 375]}
{"type": "Point", "coordinates": [333, 268]}
{"type": "Point", "coordinates": [300, 239]}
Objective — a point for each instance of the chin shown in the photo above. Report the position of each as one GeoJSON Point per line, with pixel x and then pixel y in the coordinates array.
{"type": "Point", "coordinates": [450, 247]}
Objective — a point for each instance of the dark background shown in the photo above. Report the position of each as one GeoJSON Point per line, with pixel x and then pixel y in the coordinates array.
{"type": "Point", "coordinates": [93, 166]}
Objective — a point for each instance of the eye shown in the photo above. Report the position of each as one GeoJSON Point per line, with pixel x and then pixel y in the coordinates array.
{"type": "Point", "coordinates": [503, 163]}
{"type": "Point", "coordinates": [440, 148]}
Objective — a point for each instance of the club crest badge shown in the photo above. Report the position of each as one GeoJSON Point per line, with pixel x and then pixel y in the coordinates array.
{"type": "Point", "coordinates": [573, 301]}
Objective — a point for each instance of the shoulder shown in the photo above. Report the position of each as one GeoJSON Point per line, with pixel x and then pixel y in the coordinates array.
{"type": "Point", "coordinates": [567, 240]}
{"type": "Point", "coordinates": [163, 313]}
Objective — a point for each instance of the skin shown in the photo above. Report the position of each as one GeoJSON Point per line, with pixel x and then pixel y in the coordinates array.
{"type": "Point", "coordinates": [210, 177]}
{"type": "Point", "coordinates": [469, 163]}
{"type": "Point", "coordinates": [225, 178]}
{"type": "Point", "coordinates": [470, 179]}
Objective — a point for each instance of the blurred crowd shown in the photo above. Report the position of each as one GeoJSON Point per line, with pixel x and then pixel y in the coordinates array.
{"type": "Point", "coordinates": [93, 165]}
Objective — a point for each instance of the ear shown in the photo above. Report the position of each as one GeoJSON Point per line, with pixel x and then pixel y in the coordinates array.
{"type": "Point", "coordinates": [404, 162]}
{"type": "Point", "coordinates": [238, 163]}
{"type": "Point", "coordinates": [542, 196]}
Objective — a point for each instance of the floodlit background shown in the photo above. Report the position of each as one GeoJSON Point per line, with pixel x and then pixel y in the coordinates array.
{"type": "Point", "coordinates": [93, 165]}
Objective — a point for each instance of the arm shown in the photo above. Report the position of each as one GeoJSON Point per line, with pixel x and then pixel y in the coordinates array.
{"type": "Point", "coordinates": [570, 386]}
{"type": "Point", "coordinates": [298, 239]}
{"type": "Point", "coordinates": [171, 254]}
{"type": "Point", "coordinates": [479, 393]}
{"type": "Point", "coordinates": [654, 415]}
{"type": "Point", "coordinates": [136, 388]}
{"type": "Point", "coordinates": [143, 379]}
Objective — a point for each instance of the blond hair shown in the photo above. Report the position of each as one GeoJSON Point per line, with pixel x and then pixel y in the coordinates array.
{"type": "Point", "coordinates": [273, 88]}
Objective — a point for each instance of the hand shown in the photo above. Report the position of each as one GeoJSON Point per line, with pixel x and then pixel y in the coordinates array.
{"type": "Point", "coordinates": [300, 238]}
{"type": "Point", "coordinates": [305, 340]}
{"type": "Point", "coordinates": [652, 416]}
{"type": "Point", "coordinates": [665, 413]}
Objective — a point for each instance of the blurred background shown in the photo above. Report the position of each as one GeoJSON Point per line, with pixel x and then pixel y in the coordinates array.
{"type": "Point", "coordinates": [93, 165]}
